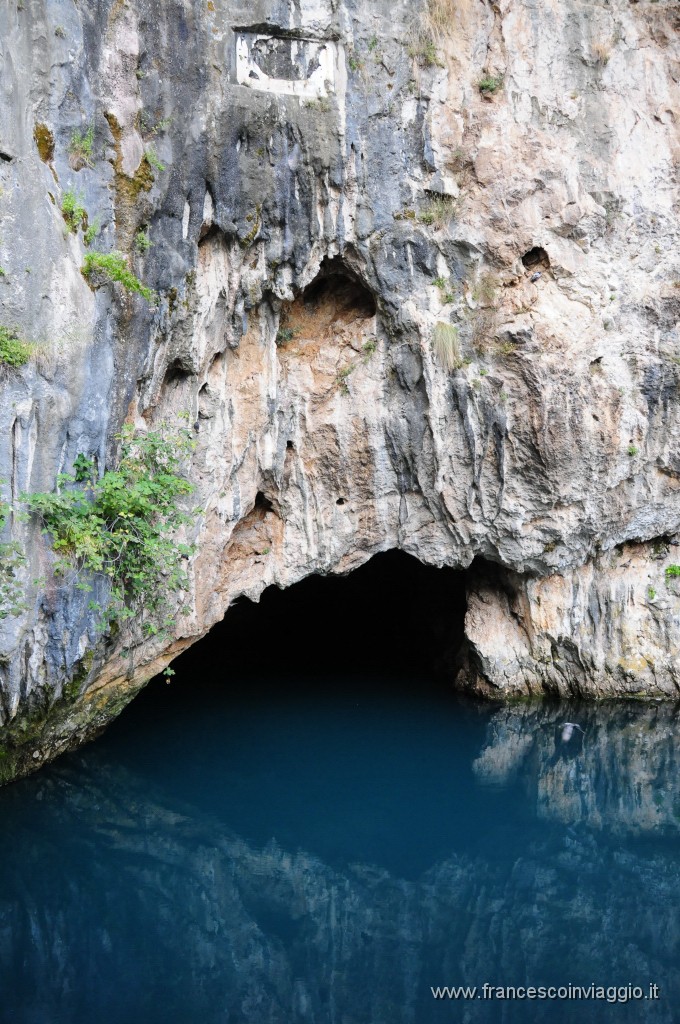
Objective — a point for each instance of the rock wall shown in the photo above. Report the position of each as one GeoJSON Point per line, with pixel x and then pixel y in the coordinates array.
{"type": "Point", "coordinates": [348, 206]}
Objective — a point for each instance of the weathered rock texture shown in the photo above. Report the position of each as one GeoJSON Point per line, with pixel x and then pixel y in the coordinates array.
{"type": "Point", "coordinates": [331, 183]}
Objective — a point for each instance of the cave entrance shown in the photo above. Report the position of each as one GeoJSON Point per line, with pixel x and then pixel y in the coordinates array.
{"type": "Point", "coordinates": [392, 618]}
{"type": "Point", "coordinates": [536, 258]}
{"type": "Point", "coordinates": [337, 285]}
{"type": "Point", "coordinates": [335, 307]}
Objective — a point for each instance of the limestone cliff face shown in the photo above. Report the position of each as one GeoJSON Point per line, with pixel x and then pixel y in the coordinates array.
{"type": "Point", "coordinates": [324, 188]}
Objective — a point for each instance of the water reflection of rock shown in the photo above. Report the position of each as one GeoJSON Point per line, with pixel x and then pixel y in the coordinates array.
{"type": "Point", "coordinates": [146, 914]}
{"type": "Point", "coordinates": [623, 772]}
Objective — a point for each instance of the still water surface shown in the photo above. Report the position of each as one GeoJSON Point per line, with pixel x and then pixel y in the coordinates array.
{"type": "Point", "coordinates": [328, 851]}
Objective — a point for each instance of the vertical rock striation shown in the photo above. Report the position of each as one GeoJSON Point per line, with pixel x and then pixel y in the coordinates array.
{"type": "Point", "coordinates": [408, 296]}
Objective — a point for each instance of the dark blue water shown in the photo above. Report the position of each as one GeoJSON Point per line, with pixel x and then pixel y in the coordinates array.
{"type": "Point", "coordinates": [329, 851]}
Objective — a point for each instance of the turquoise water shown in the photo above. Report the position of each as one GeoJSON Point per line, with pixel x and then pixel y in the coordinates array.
{"type": "Point", "coordinates": [328, 850]}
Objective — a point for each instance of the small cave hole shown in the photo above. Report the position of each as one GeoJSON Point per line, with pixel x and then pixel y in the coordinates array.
{"type": "Point", "coordinates": [536, 257]}
{"type": "Point", "coordinates": [262, 503]}
{"type": "Point", "coordinates": [290, 447]}
{"type": "Point", "coordinates": [7, 157]}
{"type": "Point", "coordinates": [176, 373]}
{"type": "Point", "coordinates": [211, 233]}
{"type": "Point", "coordinates": [341, 501]}
{"type": "Point", "coordinates": [337, 285]}
{"type": "Point", "coordinates": [204, 403]}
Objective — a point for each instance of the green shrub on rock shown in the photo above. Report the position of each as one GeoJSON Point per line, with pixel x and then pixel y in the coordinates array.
{"type": "Point", "coordinates": [122, 526]}
{"type": "Point", "coordinates": [114, 266]}
{"type": "Point", "coordinates": [73, 211]}
{"type": "Point", "coordinates": [13, 351]}
{"type": "Point", "coordinates": [12, 560]}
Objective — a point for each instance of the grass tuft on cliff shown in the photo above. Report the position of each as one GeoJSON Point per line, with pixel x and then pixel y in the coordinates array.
{"type": "Point", "coordinates": [430, 30]}
{"type": "Point", "coordinates": [438, 211]}
{"type": "Point", "coordinates": [81, 148]}
{"type": "Point", "coordinates": [446, 346]}
{"type": "Point", "coordinates": [13, 351]}
{"type": "Point", "coordinates": [114, 266]}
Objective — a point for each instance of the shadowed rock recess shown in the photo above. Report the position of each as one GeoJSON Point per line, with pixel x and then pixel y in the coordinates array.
{"type": "Point", "coordinates": [409, 294]}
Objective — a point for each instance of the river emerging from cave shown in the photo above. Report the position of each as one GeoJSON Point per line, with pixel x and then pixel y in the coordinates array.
{"type": "Point", "coordinates": [332, 849]}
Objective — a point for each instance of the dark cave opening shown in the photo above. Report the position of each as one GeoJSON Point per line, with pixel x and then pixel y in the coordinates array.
{"type": "Point", "coordinates": [336, 282]}
{"type": "Point", "coordinates": [391, 619]}
{"type": "Point", "coordinates": [176, 373]}
{"type": "Point", "coordinates": [536, 257]}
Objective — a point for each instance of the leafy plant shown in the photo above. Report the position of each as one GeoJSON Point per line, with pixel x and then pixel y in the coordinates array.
{"type": "Point", "coordinates": [13, 351]}
{"type": "Point", "coordinates": [651, 593]}
{"type": "Point", "coordinates": [446, 346]}
{"type": "Point", "coordinates": [83, 469]}
{"type": "Point", "coordinates": [632, 450]}
{"type": "Point", "coordinates": [343, 377]}
{"type": "Point", "coordinates": [122, 526]}
{"type": "Point", "coordinates": [505, 348]}
{"type": "Point", "coordinates": [285, 334]}
{"type": "Point", "coordinates": [12, 560]}
{"type": "Point", "coordinates": [142, 241]}
{"type": "Point", "coordinates": [114, 266]}
{"type": "Point", "coordinates": [447, 294]}
{"type": "Point", "coordinates": [150, 128]}
{"type": "Point", "coordinates": [81, 147]}
{"type": "Point", "coordinates": [152, 159]}
{"type": "Point", "coordinates": [72, 210]}
{"type": "Point", "coordinates": [424, 51]}
{"type": "Point", "coordinates": [672, 571]}
{"type": "Point", "coordinates": [490, 84]}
